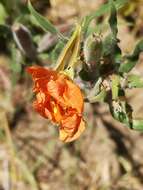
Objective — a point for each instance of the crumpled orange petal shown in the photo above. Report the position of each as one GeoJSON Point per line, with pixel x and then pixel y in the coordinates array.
{"type": "Point", "coordinates": [59, 99]}
{"type": "Point", "coordinates": [66, 137]}
{"type": "Point", "coordinates": [38, 72]}
{"type": "Point", "coordinates": [73, 96]}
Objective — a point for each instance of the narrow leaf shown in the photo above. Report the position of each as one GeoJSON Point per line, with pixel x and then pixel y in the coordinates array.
{"type": "Point", "coordinates": [57, 50]}
{"type": "Point", "coordinates": [16, 60]}
{"type": "Point", "coordinates": [138, 49]}
{"type": "Point", "coordinates": [96, 89]}
{"type": "Point", "coordinates": [101, 11]}
{"type": "Point", "coordinates": [115, 86]}
{"type": "Point", "coordinates": [138, 124]}
{"type": "Point", "coordinates": [132, 59]}
{"type": "Point", "coordinates": [69, 54]}
{"type": "Point", "coordinates": [3, 14]}
{"type": "Point", "coordinates": [16, 63]}
{"type": "Point", "coordinates": [127, 67]}
{"type": "Point", "coordinates": [98, 98]}
{"type": "Point", "coordinates": [44, 23]}
{"type": "Point", "coordinates": [113, 19]}
{"type": "Point", "coordinates": [122, 112]}
{"type": "Point", "coordinates": [135, 81]}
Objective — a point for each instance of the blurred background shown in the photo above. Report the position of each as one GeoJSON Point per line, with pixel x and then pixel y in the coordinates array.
{"type": "Point", "coordinates": [108, 156]}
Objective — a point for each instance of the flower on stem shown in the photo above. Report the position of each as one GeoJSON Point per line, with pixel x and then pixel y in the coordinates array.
{"type": "Point", "coordinates": [59, 99]}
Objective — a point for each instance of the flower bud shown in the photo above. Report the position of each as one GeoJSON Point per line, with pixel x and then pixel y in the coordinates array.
{"type": "Point", "coordinates": [92, 51]}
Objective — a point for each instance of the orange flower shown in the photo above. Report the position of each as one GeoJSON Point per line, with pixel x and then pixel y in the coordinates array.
{"type": "Point", "coordinates": [60, 100]}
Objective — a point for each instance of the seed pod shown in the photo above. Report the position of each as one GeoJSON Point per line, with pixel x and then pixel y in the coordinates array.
{"type": "Point", "coordinates": [92, 52]}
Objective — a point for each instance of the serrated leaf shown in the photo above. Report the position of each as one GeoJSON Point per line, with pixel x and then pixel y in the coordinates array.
{"type": "Point", "coordinates": [44, 23]}
{"type": "Point", "coordinates": [135, 81]}
{"type": "Point", "coordinates": [105, 8]}
{"type": "Point", "coordinates": [132, 59]}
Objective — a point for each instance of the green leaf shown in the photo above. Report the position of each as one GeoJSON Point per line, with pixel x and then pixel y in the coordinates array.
{"type": "Point", "coordinates": [135, 81]}
{"type": "Point", "coordinates": [16, 63]}
{"type": "Point", "coordinates": [16, 60]}
{"type": "Point", "coordinates": [96, 89]}
{"type": "Point", "coordinates": [98, 98]}
{"type": "Point", "coordinates": [56, 51]}
{"type": "Point", "coordinates": [44, 23]}
{"type": "Point", "coordinates": [3, 14]}
{"type": "Point", "coordinates": [68, 56]}
{"type": "Point", "coordinates": [5, 31]}
{"type": "Point", "coordinates": [138, 124]}
{"type": "Point", "coordinates": [113, 19]}
{"type": "Point", "coordinates": [10, 5]}
{"type": "Point", "coordinates": [132, 60]}
{"type": "Point", "coordinates": [101, 11]}
{"type": "Point", "coordinates": [110, 47]}
{"type": "Point", "coordinates": [115, 86]}
{"type": "Point", "coordinates": [127, 67]}
{"type": "Point", "coordinates": [122, 112]}
{"type": "Point", "coordinates": [138, 49]}
{"type": "Point", "coordinates": [43, 56]}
